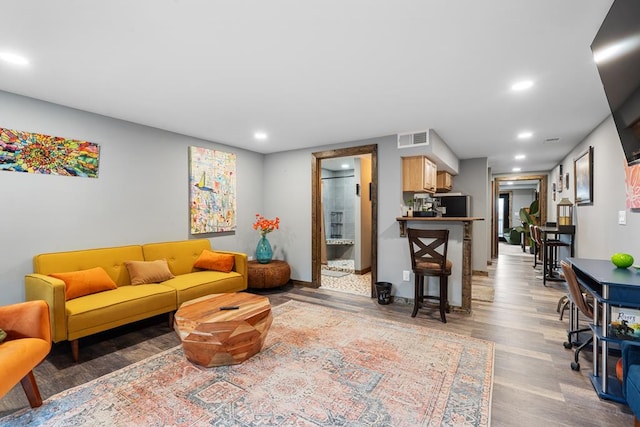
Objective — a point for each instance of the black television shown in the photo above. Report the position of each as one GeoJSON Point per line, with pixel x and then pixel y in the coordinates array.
{"type": "Point", "coordinates": [616, 50]}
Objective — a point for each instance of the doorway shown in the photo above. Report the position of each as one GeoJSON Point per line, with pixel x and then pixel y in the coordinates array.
{"type": "Point", "coordinates": [500, 182]}
{"type": "Point", "coordinates": [319, 225]}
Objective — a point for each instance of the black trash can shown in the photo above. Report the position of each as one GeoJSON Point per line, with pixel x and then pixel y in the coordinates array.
{"type": "Point", "coordinates": [383, 289]}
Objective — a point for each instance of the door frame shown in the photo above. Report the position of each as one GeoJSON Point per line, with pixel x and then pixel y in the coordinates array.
{"type": "Point", "coordinates": [316, 214]}
{"type": "Point", "coordinates": [542, 197]}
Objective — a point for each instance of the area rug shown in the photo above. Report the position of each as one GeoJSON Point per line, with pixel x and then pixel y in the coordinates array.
{"type": "Point", "coordinates": [319, 367]}
{"type": "Point", "coordinates": [482, 293]}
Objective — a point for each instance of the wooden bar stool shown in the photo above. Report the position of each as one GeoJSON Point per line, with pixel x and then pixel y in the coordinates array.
{"type": "Point", "coordinates": [537, 243]}
{"type": "Point", "coordinates": [429, 258]}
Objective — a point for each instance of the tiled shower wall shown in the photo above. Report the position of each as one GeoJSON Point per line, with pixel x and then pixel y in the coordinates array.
{"type": "Point", "coordinates": [338, 195]}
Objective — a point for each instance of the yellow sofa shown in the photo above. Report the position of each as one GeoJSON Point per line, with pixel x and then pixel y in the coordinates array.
{"type": "Point", "coordinates": [90, 314]}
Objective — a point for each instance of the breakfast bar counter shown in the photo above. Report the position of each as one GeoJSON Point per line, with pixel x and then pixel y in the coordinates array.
{"type": "Point", "coordinates": [467, 240]}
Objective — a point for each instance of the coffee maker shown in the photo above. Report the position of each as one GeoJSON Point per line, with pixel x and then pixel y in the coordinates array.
{"type": "Point", "coordinates": [424, 205]}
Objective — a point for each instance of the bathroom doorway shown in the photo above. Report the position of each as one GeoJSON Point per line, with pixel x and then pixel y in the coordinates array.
{"type": "Point", "coordinates": [344, 217]}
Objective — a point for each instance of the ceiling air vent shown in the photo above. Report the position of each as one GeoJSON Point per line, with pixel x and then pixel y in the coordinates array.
{"type": "Point", "coordinates": [551, 140]}
{"type": "Point", "coordinates": [413, 139]}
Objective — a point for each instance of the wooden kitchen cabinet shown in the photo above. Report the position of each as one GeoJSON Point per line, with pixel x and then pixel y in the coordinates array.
{"type": "Point", "coordinates": [444, 182]}
{"type": "Point", "coordinates": [419, 174]}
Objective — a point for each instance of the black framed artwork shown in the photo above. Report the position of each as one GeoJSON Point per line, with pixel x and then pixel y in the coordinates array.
{"type": "Point", "coordinates": [560, 180]}
{"type": "Point", "coordinates": [583, 178]}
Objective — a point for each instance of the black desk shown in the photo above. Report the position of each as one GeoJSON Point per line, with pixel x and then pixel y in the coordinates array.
{"type": "Point", "coordinates": [609, 286]}
{"type": "Point", "coordinates": [549, 261]}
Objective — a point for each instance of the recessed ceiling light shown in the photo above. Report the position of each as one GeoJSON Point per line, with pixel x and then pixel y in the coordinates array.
{"type": "Point", "coordinates": [13, 58]}
{"type": "Point", "coordinates": [260, 135]}
{"type": "Point", "coordinates": [525, 135]}
{"type": "Point", "coordinates": [509, 182]}
{"type": "Point", "coordinates": [522, 85]}
{"type": "Point", "coordinates": [520, 156]}
{"type": "Point", "coordinates": [516, 169]}
{"type": "Point", "coordinates": [345, 166]}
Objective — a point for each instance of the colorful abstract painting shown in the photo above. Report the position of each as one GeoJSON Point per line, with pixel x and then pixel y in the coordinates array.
{"type": "Point", "coordinates": [632, 181]}
{"type": "Point", "coordinates": [212, 190]}
{"type": "Point", "coordinates": [54, 155]}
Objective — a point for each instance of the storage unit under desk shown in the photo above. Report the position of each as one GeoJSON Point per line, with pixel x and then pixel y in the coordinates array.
{"type": "Point", "coordinates": [610, 286]}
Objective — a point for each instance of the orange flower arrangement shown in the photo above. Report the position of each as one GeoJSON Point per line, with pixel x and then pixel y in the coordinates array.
{"type": "Point", "coordinates": [265, 225]}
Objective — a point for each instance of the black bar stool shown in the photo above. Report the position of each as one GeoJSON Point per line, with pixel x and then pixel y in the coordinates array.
{"type": "Point", "coordinates": [550, 256]}
{"type": "Point", "coordinates": [537, 243]}
{"type": "Point", "coordinates": [429, 258]}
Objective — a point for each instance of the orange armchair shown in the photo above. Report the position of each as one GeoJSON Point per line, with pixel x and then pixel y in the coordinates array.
{"type": "Point", "coordinates": [27, 343]}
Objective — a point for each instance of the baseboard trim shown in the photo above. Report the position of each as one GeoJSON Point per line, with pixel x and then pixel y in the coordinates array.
{"type": "Point", "coordinates": [364, 271]}
{"type": "Point", "coordinates": [480, 273]}
{"type": "Point", "coordinates": [303, 283]}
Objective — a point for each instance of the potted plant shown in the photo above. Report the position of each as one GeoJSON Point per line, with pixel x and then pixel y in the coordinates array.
{"type": "Point", "coordinates": [528, 217]}
{"type": "Point", "coordinates": [410, 207]}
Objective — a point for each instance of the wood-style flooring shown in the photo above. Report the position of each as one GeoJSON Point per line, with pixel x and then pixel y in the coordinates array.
{"type": "Point", "coordinates": [533, 382]}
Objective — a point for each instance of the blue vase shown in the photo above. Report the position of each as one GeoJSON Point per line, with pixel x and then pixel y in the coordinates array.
{"type": "Point", "coordinates": [264, 253]}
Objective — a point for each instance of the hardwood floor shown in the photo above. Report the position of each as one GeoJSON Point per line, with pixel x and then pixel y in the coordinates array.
{"type": "Point", "coordinates": [533, 382]}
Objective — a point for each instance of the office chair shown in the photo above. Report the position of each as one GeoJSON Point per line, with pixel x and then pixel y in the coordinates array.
{"type": "Point", "coordinates": [429, 258]}
{"type": "Point", "coordinates": [629, 376]}
{"type": "Point", "coordinates": [578, 299]}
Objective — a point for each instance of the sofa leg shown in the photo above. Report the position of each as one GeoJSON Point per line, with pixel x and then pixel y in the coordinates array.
{"type": "Point", "coordinates": [31, 390]}
{"type": "Point", "coordinates": [171, 319]}
{"type": "Point", "coordinates": [75, 350]}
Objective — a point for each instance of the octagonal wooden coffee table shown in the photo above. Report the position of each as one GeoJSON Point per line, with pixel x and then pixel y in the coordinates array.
{"type": "Point", "coordinates": [213, 335]}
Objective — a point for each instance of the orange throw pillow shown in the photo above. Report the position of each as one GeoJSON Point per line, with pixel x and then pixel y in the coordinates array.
{"type": "Point", "coordinates": [142, 272]}
{"type": "Point", "coordinates": [85, 282]}
{"type": "Point", "coordinates": [216, 261]}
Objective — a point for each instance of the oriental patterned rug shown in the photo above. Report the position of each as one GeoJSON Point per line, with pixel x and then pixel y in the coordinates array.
{"type": "Point", "coordinates": [319, 367]}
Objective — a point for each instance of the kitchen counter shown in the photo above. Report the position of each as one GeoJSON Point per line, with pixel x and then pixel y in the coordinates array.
{"type": "Point", "coordinates": [403, 220]}
{"type": "Point", "coordinates": [467, 240]}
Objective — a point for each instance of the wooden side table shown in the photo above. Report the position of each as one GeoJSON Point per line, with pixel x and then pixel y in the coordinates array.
{"type": "Point", "coordinates": [272, 275]}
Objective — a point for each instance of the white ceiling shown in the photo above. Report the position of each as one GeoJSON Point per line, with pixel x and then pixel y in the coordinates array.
{"type": "Point", "coordinates": [313, 73]}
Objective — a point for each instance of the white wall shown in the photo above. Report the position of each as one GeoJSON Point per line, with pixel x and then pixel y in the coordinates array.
{"type": "Point", "coordinates": [447, 159]}
{"type": "Point", "coordinates": [140, 196]}
{"type": "Point", "coordinates": [473, 179]}
{"type": "Point", "coordinates": [598, 234]}
{"type": "Point", "coordinates": [521, 198]}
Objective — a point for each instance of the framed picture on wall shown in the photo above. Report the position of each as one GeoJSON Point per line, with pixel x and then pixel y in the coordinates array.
{"type": "Point", "coordinates": [583, 178]}
{"type": "Point", "coordinates": [560, 180]}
